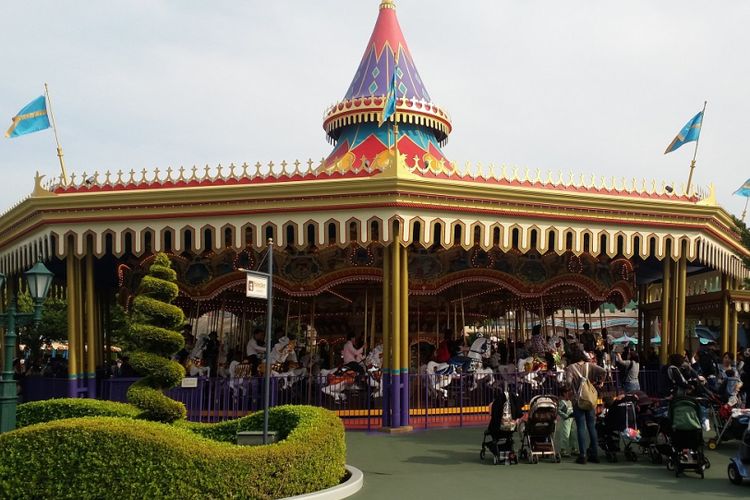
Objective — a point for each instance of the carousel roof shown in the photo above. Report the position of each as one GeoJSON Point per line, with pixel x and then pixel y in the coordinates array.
{"type": "Point", "coordinates": [353, 123]}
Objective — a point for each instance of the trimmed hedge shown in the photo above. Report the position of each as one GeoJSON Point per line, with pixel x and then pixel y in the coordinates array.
{"type": "Point", "coordinates": [108, 457]}
{"type": "Point", "coordinates": [38, 412]}
{"type": "Point", "coordinates": [153, 331]}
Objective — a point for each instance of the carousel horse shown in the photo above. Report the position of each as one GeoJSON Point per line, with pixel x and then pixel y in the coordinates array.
{"type": "Point", "coordinates": [480, 351]}
{"type": "Point", "coordinates": [374, 363]}
{"type": "Point", "coordinates": [337, 381]}
{"type": "Point", "coordinates": [531, 371]}
{"type": "Point", "coordinates": [288, 371]}
{"type": "Point", "coordinates": [440, 376]}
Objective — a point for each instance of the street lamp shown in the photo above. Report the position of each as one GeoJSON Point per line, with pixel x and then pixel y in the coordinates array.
{"type": "Point", "coordinates": [38, 279]}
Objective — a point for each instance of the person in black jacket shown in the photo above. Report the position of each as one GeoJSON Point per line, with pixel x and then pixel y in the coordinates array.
{"type": "Point", "coordinates": [497, 409]}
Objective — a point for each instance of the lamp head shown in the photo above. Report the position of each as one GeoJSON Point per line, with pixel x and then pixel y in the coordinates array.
{"type": "Point", "coordinates": [39, 279]}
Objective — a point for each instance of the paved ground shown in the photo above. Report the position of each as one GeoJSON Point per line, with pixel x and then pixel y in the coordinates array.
{"type": "Point", "coordinates": [437, 464]}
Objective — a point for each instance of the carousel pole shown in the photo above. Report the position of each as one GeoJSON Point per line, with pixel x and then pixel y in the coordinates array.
{"type": "Point", "coordinates": [396, 333]}
{"type": "Point", "coordinates": [387, 358]}
{"type": "Point", "coordinates": [365, 315]}
{"type": "Point", "coordinates": [372, 325]}
{"type": "Point", "coordinates": [404, 332]}
{"type": "Point", "coordinates": [269, 332]}
{"type": "Point", "coordinates": [463, 320]}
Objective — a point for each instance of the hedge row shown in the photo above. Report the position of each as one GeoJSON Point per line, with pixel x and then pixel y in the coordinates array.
{"type": "Point", "coordinates": [57, 409]}
{"type": "Point", "coordinates": [109, 457]}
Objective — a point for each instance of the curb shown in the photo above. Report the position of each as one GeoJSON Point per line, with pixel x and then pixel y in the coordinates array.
{"type": "Point", "coordinates": [343, 490]}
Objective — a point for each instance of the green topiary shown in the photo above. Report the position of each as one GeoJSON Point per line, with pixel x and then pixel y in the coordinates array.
{"type": "Point", "coordinates": [56, 409]}
{"type": "Point", "coordinates": [154, 326]}
{"type": "Point", "coordinates": [107, 457]}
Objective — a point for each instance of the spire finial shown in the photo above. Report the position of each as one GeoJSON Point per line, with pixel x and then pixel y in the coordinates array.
{"type": "Point", "coordinates": [387, 4]}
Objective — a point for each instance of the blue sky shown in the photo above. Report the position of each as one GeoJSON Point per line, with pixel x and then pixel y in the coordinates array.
{"type": "Point", "coordinates": [589, 86]}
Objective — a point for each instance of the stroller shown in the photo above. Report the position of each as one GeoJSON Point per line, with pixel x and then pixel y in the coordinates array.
{"type": "Point", "coordinates": [739, 466]}
{"type": "Point", "coordinates": [498, 438]}
{"type": "Point", "coordinates": [730, 424]}
{"type": "Point", "coordinates": [619, 423]}
{"type": "Point", "coordinates": [686, 440]}
{"type": "Point", "coordinates": [539, 430]}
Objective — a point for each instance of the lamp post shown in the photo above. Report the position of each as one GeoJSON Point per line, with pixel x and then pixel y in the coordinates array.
{"type": "Point", "coordinates": [38, 279]}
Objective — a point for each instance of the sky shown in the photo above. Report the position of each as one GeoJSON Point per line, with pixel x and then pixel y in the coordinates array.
{"type": "Point", "coordinates": [595, 86]}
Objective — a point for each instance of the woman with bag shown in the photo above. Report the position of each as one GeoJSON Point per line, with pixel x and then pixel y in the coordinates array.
{"type": "Point", "coordinates": [581, 377]}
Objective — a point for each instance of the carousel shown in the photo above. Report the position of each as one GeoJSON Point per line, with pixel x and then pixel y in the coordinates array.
{"type": "Point", "coordinates": [385, 238]}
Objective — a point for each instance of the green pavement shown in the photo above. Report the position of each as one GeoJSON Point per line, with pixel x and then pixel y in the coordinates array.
{"type": "Point", "coordinates": [444, 463]}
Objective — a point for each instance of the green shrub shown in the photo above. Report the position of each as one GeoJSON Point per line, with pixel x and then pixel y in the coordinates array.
{"type": "Point", "coordinates": [56, 409]}
{"type": "Point", "coordinates": [153, 332]}
{"type": "Point", "coordinates": [106, 457]}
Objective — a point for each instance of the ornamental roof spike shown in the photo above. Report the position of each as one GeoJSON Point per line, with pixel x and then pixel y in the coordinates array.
{"type": "Point", "coordinates": [169, 174]}
{"type": "Point", "coordinates": [181, 170]}
{"type": "Point", "coordinates": [572, 180]}
{"type": "Point", "coordinates": [538, 179]}
{"type": "Point", "coordinates": [416, 165]}
{"type": "Point", "coordinates": [194, 172]}
{"type": "Point", "coordinates": [504, 171]}
{"type": "Point", "coordinates": [245, 166]}
{"type": "Point", "coordinates": [232, 168]}
{"type": "Point", "coordinates": [514, 174]}
{"type": "Point", "coordinates": [131, 180]}
{"type": "Point", "coordinates": [206, 173]}
{"type": "Point", "coordinates": [322, 162]}
{"type": "Point", "coordinates": [96, 178]}
{"type": "Point", "coordinates": [296, 167]}
{"type": "Point", "coordinates": [156, 174]}
{"type": "Point", "coordinates": [653, 186]}
{"type": "Point", "coordinates": [257, 166]}
{"type": "Point", "coordinates": [283, 168]}
{"type": "Point", "coordinates": [561, 180]}
{"type": "Point", "coordinates": [143, 175]}
{"type": "Point", "coordinates": [526, 176]}
{"type": "Point", "coordinates": [634, 185]}
{"type": "Point", "coordinates": [84, 176]}
{"type": "Point", "coordinates": [270, 173]}
{"type": "Point", "coordinates": [683, 189]}
{"type": "Point", "coordinates": [310, 163]}
{"type": "Point", "coordinates": [73, 179]}
{"type": "Point", "coordinates": [119, 177]}
{"type": "Point", "coordinates": [625, 184]}
{"type": "Point", "coordinates": [107, 175]}
{"type": "Point", "coordinates": [219, 173]}
{"type": "Point", "coordinates": [549, 181]}
{"type": "Point", "coordinates": [442, 168]}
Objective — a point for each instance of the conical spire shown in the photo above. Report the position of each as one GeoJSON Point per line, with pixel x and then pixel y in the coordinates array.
{"type": "Point", "coordinates": [352, 124]}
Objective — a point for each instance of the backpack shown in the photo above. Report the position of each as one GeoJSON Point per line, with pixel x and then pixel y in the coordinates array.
{"type": "Point", "coordinates": [586, 397]}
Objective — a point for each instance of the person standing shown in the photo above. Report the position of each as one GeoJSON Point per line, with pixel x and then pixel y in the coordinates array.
{"type": "Point", "coordinates": [566, 444]}
{"type": "Point", "coordinates": [630, 369]}
{"type": "Point", "coordinates": [575, 374]}
{"type": "Point", "coordinates": [587, 338]}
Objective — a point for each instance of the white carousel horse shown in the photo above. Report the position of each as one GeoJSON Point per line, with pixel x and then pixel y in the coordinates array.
{"type": "Point", "coordinates": [374, 363]}
{"type": "Point", "coordinates": [479, 352]}
{"type": "Point", "coordinates": [288, 373]}
{"type": "Point", "coordinates": [440, 375]}
{"type": "Point", "coordinates": [337, 381]}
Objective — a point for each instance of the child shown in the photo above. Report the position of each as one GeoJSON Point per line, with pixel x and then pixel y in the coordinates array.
{"type": "Point", "coordinates": [733, 386]}
{"type": "Point", "coordinates": [566, 437]}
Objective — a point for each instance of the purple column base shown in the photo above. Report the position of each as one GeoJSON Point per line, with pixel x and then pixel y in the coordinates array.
{"type": "Point", "coordinates": [396, 399]}
{"type": "Point", "coordinates": [404, 397]}
{"type": "Point", "coordinates": [386, 384]}
{"type": "Point", "coordinates": [91, 385]}
{"type": "Point", "coordinates": [73, 387]}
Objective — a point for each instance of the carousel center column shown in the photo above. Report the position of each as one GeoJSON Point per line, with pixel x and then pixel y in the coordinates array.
{"type": "Point", "coordinates": [72, 278]}
{"type": "Point", "coordinates": [404, 332]}
{"type": "Point", "coordinates": [387, 360]}
{"type": "Point", "coordinates": [665, 316]}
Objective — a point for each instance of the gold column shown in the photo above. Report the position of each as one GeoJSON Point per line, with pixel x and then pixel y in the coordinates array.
{"type": "Point", "coordinates": [396, 305]}
{"type": "Point", "coordinates": [80, 326]}
{"type": "Point", "coordinates": [665, 318]}
{"type": "Point", "coordinates": [681, 298]}
{"type": "Point", "coordinates": [404, 309]}
{"type": "Point", "coordinates": [387, 310]}
{"type": "Point", "coordinates": [72, 323]}
{"type": "Point", "coordinates": [724, 313]}
{"type": "Point", "coordinates": [90, 316]}
{"type": "Point", "coordinates": [733, 333]}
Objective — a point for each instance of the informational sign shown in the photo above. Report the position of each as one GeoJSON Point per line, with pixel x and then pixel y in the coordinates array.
{"type": "Point", "coordinates": [190, 382]}
{"type": "Point", "coordinates": [256, 286]}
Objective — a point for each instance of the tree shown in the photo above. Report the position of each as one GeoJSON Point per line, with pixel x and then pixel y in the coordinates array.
{"type": "Point", "coordinates": [52, 328]}
{"type": "Point", "coordinates": [155, 333]}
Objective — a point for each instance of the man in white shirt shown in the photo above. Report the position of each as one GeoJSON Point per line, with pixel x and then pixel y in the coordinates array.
{"type": "Point", "coordinates": [255, 348]}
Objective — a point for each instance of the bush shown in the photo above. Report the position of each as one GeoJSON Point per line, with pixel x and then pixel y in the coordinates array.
{"type": "Point", "coordinates": [154, 334]}
{"type": "Point", "coordinates": [107, 457]}
{"type": "Point", "coordinates": [56, 409]}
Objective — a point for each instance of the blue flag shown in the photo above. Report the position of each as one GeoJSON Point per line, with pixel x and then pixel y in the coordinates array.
{"type": "Point", "coordinates": [689, 133]}
{"type": "Point", "coordinates": [744, 190]}
{"type": "Point", "coordinates": [32, 118]}
{"type": "Point", "coordinates": [389, 108]}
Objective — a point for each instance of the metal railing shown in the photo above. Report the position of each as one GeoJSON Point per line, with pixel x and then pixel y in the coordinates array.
{"type": "Point", "coordinates": [435, 400]}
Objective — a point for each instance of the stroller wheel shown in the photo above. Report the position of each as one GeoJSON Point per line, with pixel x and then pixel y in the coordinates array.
{"type": "Point", "coordinates": [734, 473]}
{"type": "Point", "coordinates": [670, 464]}
{"type": "Point", "coordinates": [558, 459]}
{"type": "Point", "coordinates": [534, 459]}
{"type": "Point", "coordinates": [523, 454]}
{"type": "Point", "coordinates": [495, 460]}
{"type": "Point", "coordinates": [712, 444]}
{"type": "Point", "coordinates": [706, 463]}
{"type": "Point", "coordinates": [482, 454]}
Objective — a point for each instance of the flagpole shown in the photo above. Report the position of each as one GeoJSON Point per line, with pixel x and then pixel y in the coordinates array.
{"type": "Point", "coordinates": [57, 140]}
{"type": "Point", "coordinates": [695, 153]}
{"type": "Point", "coordinates": [744, 212]}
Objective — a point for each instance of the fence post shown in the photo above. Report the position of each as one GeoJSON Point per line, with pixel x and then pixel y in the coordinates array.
{"type": "Point", "coordinates": [369, 398]}
{"type": "Point", "coordinates": [426, 398]}
{"type": "Point", "coordinates": [461, 399]}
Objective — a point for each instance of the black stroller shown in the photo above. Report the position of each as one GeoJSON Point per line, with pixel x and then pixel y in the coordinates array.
{"type": "Point", "coordinates": [686, 439]}
{"type": "Point", "coordinates": [498, 438]}
{"type": "Point", "coordinates": [618, 424]}
{"type": "Point", "coordinates": [539, 430]}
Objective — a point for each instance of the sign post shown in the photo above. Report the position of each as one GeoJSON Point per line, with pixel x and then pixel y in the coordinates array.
{"type": "Point", "coordinates": [260, 286]}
